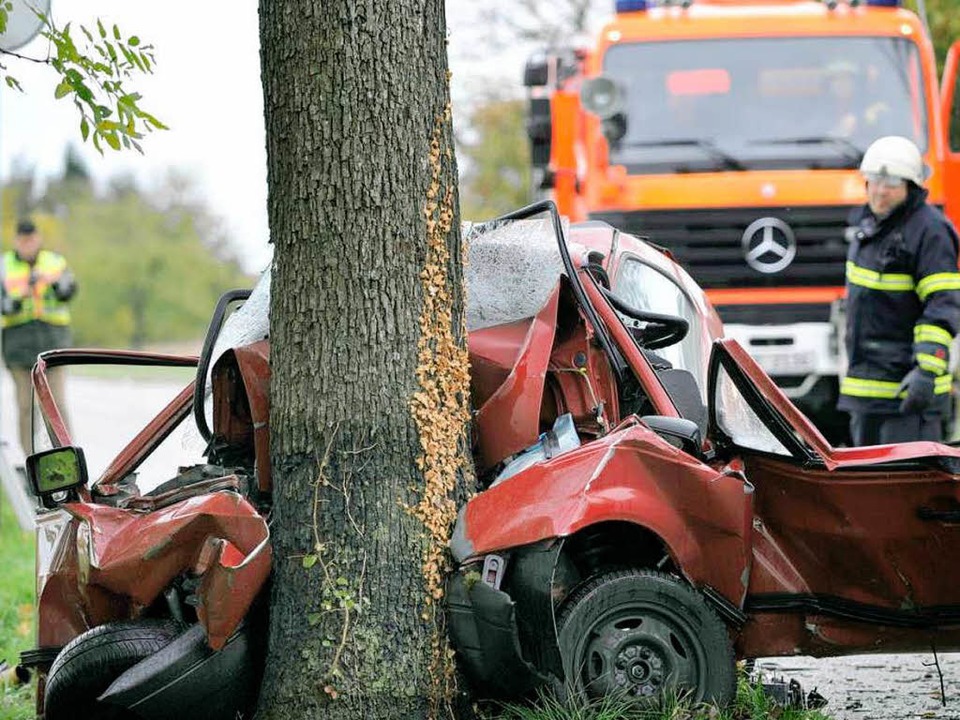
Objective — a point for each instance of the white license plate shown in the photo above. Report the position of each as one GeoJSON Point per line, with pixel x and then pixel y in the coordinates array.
{"type": "Point", "coordinates": [788, 363]}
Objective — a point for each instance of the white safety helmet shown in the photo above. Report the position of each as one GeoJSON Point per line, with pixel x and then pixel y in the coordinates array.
{"type": "Point", "coordinates": [894, 156]}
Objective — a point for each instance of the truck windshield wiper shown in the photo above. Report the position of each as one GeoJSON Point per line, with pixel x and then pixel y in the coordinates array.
{"type": "Point", "coordinates": [849, 150]}
{"type": "Point", "coordinates": [728, 162]}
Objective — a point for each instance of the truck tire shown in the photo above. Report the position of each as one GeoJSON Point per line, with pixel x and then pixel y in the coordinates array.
{"type": "Point", "coordinates": [85, 668]}
{"type": "Point", "coordinates": [644, 633]}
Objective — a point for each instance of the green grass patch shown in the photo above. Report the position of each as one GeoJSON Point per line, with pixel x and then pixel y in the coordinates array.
{"type": "Point", "coordinates": [751, 704]}
{"type": "Point", "coordinates": [16, 608]}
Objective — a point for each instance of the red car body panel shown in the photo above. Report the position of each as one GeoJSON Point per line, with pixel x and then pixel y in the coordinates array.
{"type": "Point", "coordinates": [509, 420]}
{"type": "Point", "coordinates": [116, 562]}
{"type": "Point", "coordinates": [98, 563]}
{"type": "Point", "coordinates": [630, 475]}
{"type": "Point", "coordinates": [245, 420]}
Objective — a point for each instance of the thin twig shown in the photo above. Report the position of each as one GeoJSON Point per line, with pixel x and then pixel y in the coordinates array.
{"type": "Point", "coordinates": [17, 55]}
{"type": "Point", "coordinates": [936, 664]}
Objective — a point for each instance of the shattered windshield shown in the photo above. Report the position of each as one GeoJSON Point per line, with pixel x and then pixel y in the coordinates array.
{"type": "Point", "coordinates": [512, 267]}
{"type": "Point", "coordinates": [745, 103]}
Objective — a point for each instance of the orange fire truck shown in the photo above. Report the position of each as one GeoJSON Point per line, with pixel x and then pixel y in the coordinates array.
{"type": "Point", "coordinates": [730, 132]}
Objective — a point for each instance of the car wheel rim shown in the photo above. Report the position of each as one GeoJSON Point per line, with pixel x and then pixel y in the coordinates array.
{"type": "Point", "coordinates": [641, 652]}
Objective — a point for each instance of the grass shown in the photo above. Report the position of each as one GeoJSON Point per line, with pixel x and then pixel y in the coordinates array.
{"type": "Point", "coordinates": [751, 704]}
{"type": "Point", "coordinates": [16, 609]}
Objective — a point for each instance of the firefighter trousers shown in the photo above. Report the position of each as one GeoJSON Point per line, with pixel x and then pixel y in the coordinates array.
{"type": "Point", "coordinates": [876, 429]}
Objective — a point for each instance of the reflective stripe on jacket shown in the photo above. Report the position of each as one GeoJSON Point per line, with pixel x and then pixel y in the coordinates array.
{"type": "Point", "coordinates": [903, 303]}
{"type": "Point", "coordinates": [32, 285]}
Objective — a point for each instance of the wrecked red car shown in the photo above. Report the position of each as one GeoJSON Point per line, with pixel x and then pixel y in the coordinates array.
{"type": "Point", "coordinates": [653, 505]}
{"type": "Point", "coordinates": [651, 515]}
{"type": "Point", "coordinates": [149, 604]}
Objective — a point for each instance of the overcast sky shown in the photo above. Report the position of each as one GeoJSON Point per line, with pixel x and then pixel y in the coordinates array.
{"type": "Point", "coordinates": [206, 87]}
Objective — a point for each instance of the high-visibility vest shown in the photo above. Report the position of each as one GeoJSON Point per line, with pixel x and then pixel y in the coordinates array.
{"type": "Point", "coordinates": [32, 285]}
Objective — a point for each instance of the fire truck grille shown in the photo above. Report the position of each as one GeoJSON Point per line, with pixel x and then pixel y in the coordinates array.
{"type": "Point", "coordinates": [712, 246]}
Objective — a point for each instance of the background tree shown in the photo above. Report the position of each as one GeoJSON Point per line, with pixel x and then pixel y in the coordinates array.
{"type": "Point", "coordinates": [369, 372]}
{"type": "Point", "coordinates": [492, 144]}
{"type": "Point", "coordinates": [550, 23]}
{"type": "Point", "coordinates": [495, 157]}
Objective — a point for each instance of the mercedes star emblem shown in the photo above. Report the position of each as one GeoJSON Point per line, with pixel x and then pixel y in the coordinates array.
{"type": "Point", "coordinates": [769, 245]}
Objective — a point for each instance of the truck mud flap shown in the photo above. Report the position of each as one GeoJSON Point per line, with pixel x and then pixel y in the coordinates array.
{"type": "Point", "coordinates": [483, 623]}
{"type": "Point", "coordinates": [188, 679]}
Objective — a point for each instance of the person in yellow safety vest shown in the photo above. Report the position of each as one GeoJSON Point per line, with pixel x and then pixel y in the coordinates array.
{"type": "Point", "coordinates": [37, 287]}
{"type": "Point", "coordinates": [903, 303]}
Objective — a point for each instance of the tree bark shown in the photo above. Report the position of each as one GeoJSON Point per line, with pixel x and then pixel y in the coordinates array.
{"type": "Point", "coordinates": [369, 371]}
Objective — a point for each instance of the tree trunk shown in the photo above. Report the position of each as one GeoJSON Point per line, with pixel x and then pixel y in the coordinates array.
{"type": "Point", "coordinates": [369, 372]}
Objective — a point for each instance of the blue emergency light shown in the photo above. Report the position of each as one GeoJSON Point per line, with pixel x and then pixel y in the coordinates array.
{"type": "Point", "coordinates": [885, 3]}
{"type": "Point", "coordinates": [625, 6]}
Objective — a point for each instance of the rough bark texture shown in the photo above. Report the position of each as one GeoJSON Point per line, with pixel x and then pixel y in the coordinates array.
{"type": "Point", "coordinates": [368, 368]}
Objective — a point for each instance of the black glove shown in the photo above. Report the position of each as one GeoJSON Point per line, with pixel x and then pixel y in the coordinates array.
{"type": "Point", "coordinates": [919, 387]}
{"type": "Point", "coordinates": [65, 286]}
{"type": "Point", "coordinates": [10, 305]}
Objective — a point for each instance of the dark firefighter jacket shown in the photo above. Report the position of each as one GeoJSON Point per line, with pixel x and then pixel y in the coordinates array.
{"type": "Point", "coordinates": [903, 304]}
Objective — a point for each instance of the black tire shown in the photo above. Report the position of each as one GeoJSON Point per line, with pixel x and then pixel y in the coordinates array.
{"type": "Point", "coordinates": [85, 668]}
{"type": "Point", "coordinates": [643, 633]}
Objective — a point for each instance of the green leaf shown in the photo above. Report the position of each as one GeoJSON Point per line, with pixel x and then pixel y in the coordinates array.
{"type": "Point", "coordinates": [116, 33]}
{"type": "Point", "coordinates": [103, 30]}
{"type": "Point", "coordinates": [63, 89]}
{"type": "Point", "coordinates": [151, 120]}
{"type": "Point", "coordinates": [133, 41]}
{"type": "Point", "coordinates": [84, 129]}
{"type": "Point", "coordinates": [309, 561]}
{"type": "Point", "coordinates": [13, 83]}
{"type": "Point", "coordinates": [112, 140]}
{"type": "Point", "coordinates": [313, 618]}
{"type": "Point", "coordinates": [84, 93]}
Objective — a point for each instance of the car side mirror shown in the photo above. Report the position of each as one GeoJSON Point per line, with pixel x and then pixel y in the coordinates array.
{"type": "Point", "coordinates": [55, 472]}
{"type": "Point", "coordinates": [679, 432]}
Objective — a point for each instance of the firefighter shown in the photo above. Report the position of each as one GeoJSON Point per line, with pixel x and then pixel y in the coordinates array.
{"type": "Point", "coordinates": [37, 285]}
{"type": "Point", "coordinates": [903, 303]}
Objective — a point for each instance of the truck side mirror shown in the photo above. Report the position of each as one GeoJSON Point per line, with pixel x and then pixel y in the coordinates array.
{"type": "Point", "coordinates": [56, 472]}
{"type": "Point", "coordinates": [679, 432]}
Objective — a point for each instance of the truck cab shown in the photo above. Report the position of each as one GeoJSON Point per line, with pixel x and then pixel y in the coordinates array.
{"type": "Point", "coordinates": [730, 132]}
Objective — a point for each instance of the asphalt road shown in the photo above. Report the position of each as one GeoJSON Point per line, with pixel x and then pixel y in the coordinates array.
{"type": "Point", "coordinates": [876, 687]}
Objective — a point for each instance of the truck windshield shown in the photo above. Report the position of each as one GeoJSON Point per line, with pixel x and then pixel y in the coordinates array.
{"type": "Point", "coordinates": [764, 103]}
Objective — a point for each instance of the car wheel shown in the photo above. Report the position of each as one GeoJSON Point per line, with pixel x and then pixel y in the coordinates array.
{"type": "Point", "coordinates": [85, 668]}
{"type": "Point", "coordinates": [643, 633]}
